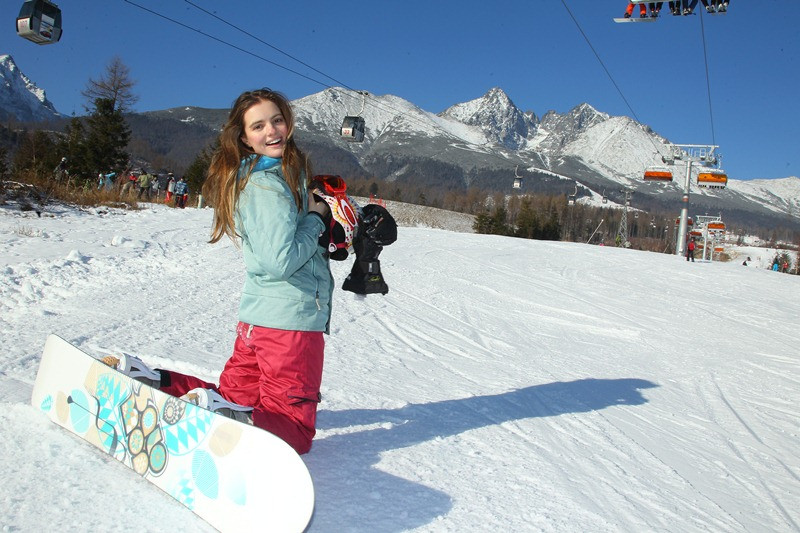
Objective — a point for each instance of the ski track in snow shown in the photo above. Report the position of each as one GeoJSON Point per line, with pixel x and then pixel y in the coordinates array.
{"type": "Point", "coordinates": [500, 385]}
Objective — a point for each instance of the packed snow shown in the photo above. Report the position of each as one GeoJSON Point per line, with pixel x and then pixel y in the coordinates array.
{"type": "Point", "coordinates": [502, 384]}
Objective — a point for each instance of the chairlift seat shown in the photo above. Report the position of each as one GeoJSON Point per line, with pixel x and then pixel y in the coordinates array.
{"type": "Point", "coordinates": [712, 179]}
{"type": "Point", "coordinates": [39, 21]}
{"type": "Point", "coordinates": [657, 174]}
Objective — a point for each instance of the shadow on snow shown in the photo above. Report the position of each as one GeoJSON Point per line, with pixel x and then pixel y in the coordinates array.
{"type": "Point", "coordinates": [363, 498]}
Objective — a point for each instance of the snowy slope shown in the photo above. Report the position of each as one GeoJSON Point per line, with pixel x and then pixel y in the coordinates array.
{"type": "Point", "coordinates": [501, 385]}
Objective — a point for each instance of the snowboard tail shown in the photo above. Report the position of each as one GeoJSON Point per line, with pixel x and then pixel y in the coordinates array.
{"type": "Point", "coordinates": [235, 476]}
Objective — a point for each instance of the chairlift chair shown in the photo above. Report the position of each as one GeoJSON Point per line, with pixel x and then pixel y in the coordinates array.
{"type": "Point", "coordinates": [39, 21]}
{"type": "Point", "coordinates": [712, 178]}
{"type": "Point", "coordinates": [657, 174]}
{"type": "Point", "coordinates": [354, 126]}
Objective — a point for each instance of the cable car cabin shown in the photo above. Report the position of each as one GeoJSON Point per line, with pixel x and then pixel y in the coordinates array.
{"type": "Point", "coordinates": [517, 183]}
{"type": "Point", "coordinates": [657, 174]}
{"type": "Point", "coordinates": [717, 180]}
{"type": "Point", "coordinates": [39, 21]}
{"type": "Point", "coordinates": [353, 129]}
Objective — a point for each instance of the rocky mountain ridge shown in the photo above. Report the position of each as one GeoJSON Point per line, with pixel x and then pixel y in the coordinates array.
{"type": "Point", "coordinates": [482, 143]}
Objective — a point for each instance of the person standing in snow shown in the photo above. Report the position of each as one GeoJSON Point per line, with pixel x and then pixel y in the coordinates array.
{"type": "Point", "coordinates": [170, 188]}
{"type": "Point", "coordinates": [181, 193]}
{"type": "Point", "coordinates": [62, 170]}
{"type": "Point", "coordinates": [690, 250]}
{"type": "Point", "coordinates": [144, 185]}
{"type": "Point", "coordinates": [258, 186]}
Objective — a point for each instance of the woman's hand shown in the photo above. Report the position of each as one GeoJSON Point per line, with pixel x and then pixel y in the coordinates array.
{"type": "Point", "coordinates": [318, 206]}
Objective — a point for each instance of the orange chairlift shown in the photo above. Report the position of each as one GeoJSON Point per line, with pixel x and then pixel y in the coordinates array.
{"type": "Point", "coordinates": [712, 178]}
{"type": "Point", "coordinates": [657, 174]}
{"type": "Point", "coordinates": [39, 21]}
{"type": "Point", "coordinates": [716, 226]}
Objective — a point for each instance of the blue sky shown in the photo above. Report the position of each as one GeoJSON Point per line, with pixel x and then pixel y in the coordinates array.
{"type": "Point", "coordinates": [439, 53]}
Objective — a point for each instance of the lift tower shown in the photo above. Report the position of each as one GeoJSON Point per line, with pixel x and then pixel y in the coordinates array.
{"type": "Point", "coordinates": [622, 233]}
{"type": "Point", "coordinates": [691, 153]}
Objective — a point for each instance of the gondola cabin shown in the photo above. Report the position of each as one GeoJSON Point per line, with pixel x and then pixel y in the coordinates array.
{"type": "Point", "coordinates": [39, 21]}
{"type": "Point", "coordinates": [716, 180]}
{"type": "Point", "coordinates": [517, 179]}
{"type": "Point", "coordinates": [353, 129]}
{"type": "Point", "coordinates": [657, 174]}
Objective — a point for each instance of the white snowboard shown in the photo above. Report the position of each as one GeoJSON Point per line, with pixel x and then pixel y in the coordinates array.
{"type": "Point", "coordinates": [235, 476]}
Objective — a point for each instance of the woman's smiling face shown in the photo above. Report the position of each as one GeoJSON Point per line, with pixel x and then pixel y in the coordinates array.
{"type": "Point", "coordinates": [265, 129]}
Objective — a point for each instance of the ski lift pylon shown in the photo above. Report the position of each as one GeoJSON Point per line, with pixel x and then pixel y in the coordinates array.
{"type": "Point", "coordinates": [354, 126]}
{"type": "Point", "coordinates": [39, 21]}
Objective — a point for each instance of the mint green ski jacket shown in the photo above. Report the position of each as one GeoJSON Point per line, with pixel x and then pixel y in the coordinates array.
{"type": "Point", "coordinates": [288, 284]}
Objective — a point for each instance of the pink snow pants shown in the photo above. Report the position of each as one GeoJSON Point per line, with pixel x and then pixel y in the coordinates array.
{"type": "Point", "coordinates": [277, 372]}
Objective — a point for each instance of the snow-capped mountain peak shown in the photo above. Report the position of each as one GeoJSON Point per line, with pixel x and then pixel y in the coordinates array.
{"type": "Point", "coordinates": [20, 98]}
{"type": "Point", "coordinates": [495, 113]}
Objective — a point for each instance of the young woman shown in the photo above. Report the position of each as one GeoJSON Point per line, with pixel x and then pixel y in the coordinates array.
{"type": "Point", "coordinates": [257, 184]}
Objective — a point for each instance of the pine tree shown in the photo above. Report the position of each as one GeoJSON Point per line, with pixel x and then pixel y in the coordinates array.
{"type": "Point", "coordinates": [73, 146]}
{"type": "Point", "coordinates": [4, 167]}
{"type": "Point", "coordinates": [198, 170]}
{"type": "Point", "coordinates": [36, 153]}
{"type": "Point", "coordinates": [107, 139]}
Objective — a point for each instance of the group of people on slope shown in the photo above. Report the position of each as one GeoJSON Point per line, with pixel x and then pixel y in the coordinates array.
{"type": "Point", "coordinates": [150, 185]}
{"type": "Point", "coordinates": [677, 7]}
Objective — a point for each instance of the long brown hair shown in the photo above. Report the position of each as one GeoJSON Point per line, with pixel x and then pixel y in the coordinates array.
{"type": "Point", "coordinates": [222, 186]}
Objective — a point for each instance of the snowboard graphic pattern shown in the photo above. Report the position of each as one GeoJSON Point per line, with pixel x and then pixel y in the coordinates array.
{"type": "Point", "coordinates": [235, 476]}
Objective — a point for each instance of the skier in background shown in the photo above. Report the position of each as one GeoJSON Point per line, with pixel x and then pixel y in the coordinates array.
{"type": "Point", "coordinates": [170, 188]}
{"type": "Point", "coordinates": [181, 193]}
{"type": "Point", "coordinates": [690, 250]}
{"type": "Point", "coordinates": [62, 170]}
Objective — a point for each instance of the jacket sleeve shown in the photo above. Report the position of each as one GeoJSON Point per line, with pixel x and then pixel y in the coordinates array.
{"type": "Point", "coordinates": [281, 239]}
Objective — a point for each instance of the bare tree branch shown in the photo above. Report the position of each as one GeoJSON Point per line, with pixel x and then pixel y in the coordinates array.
{"type": "Point", "coordinates": [116, 85]}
